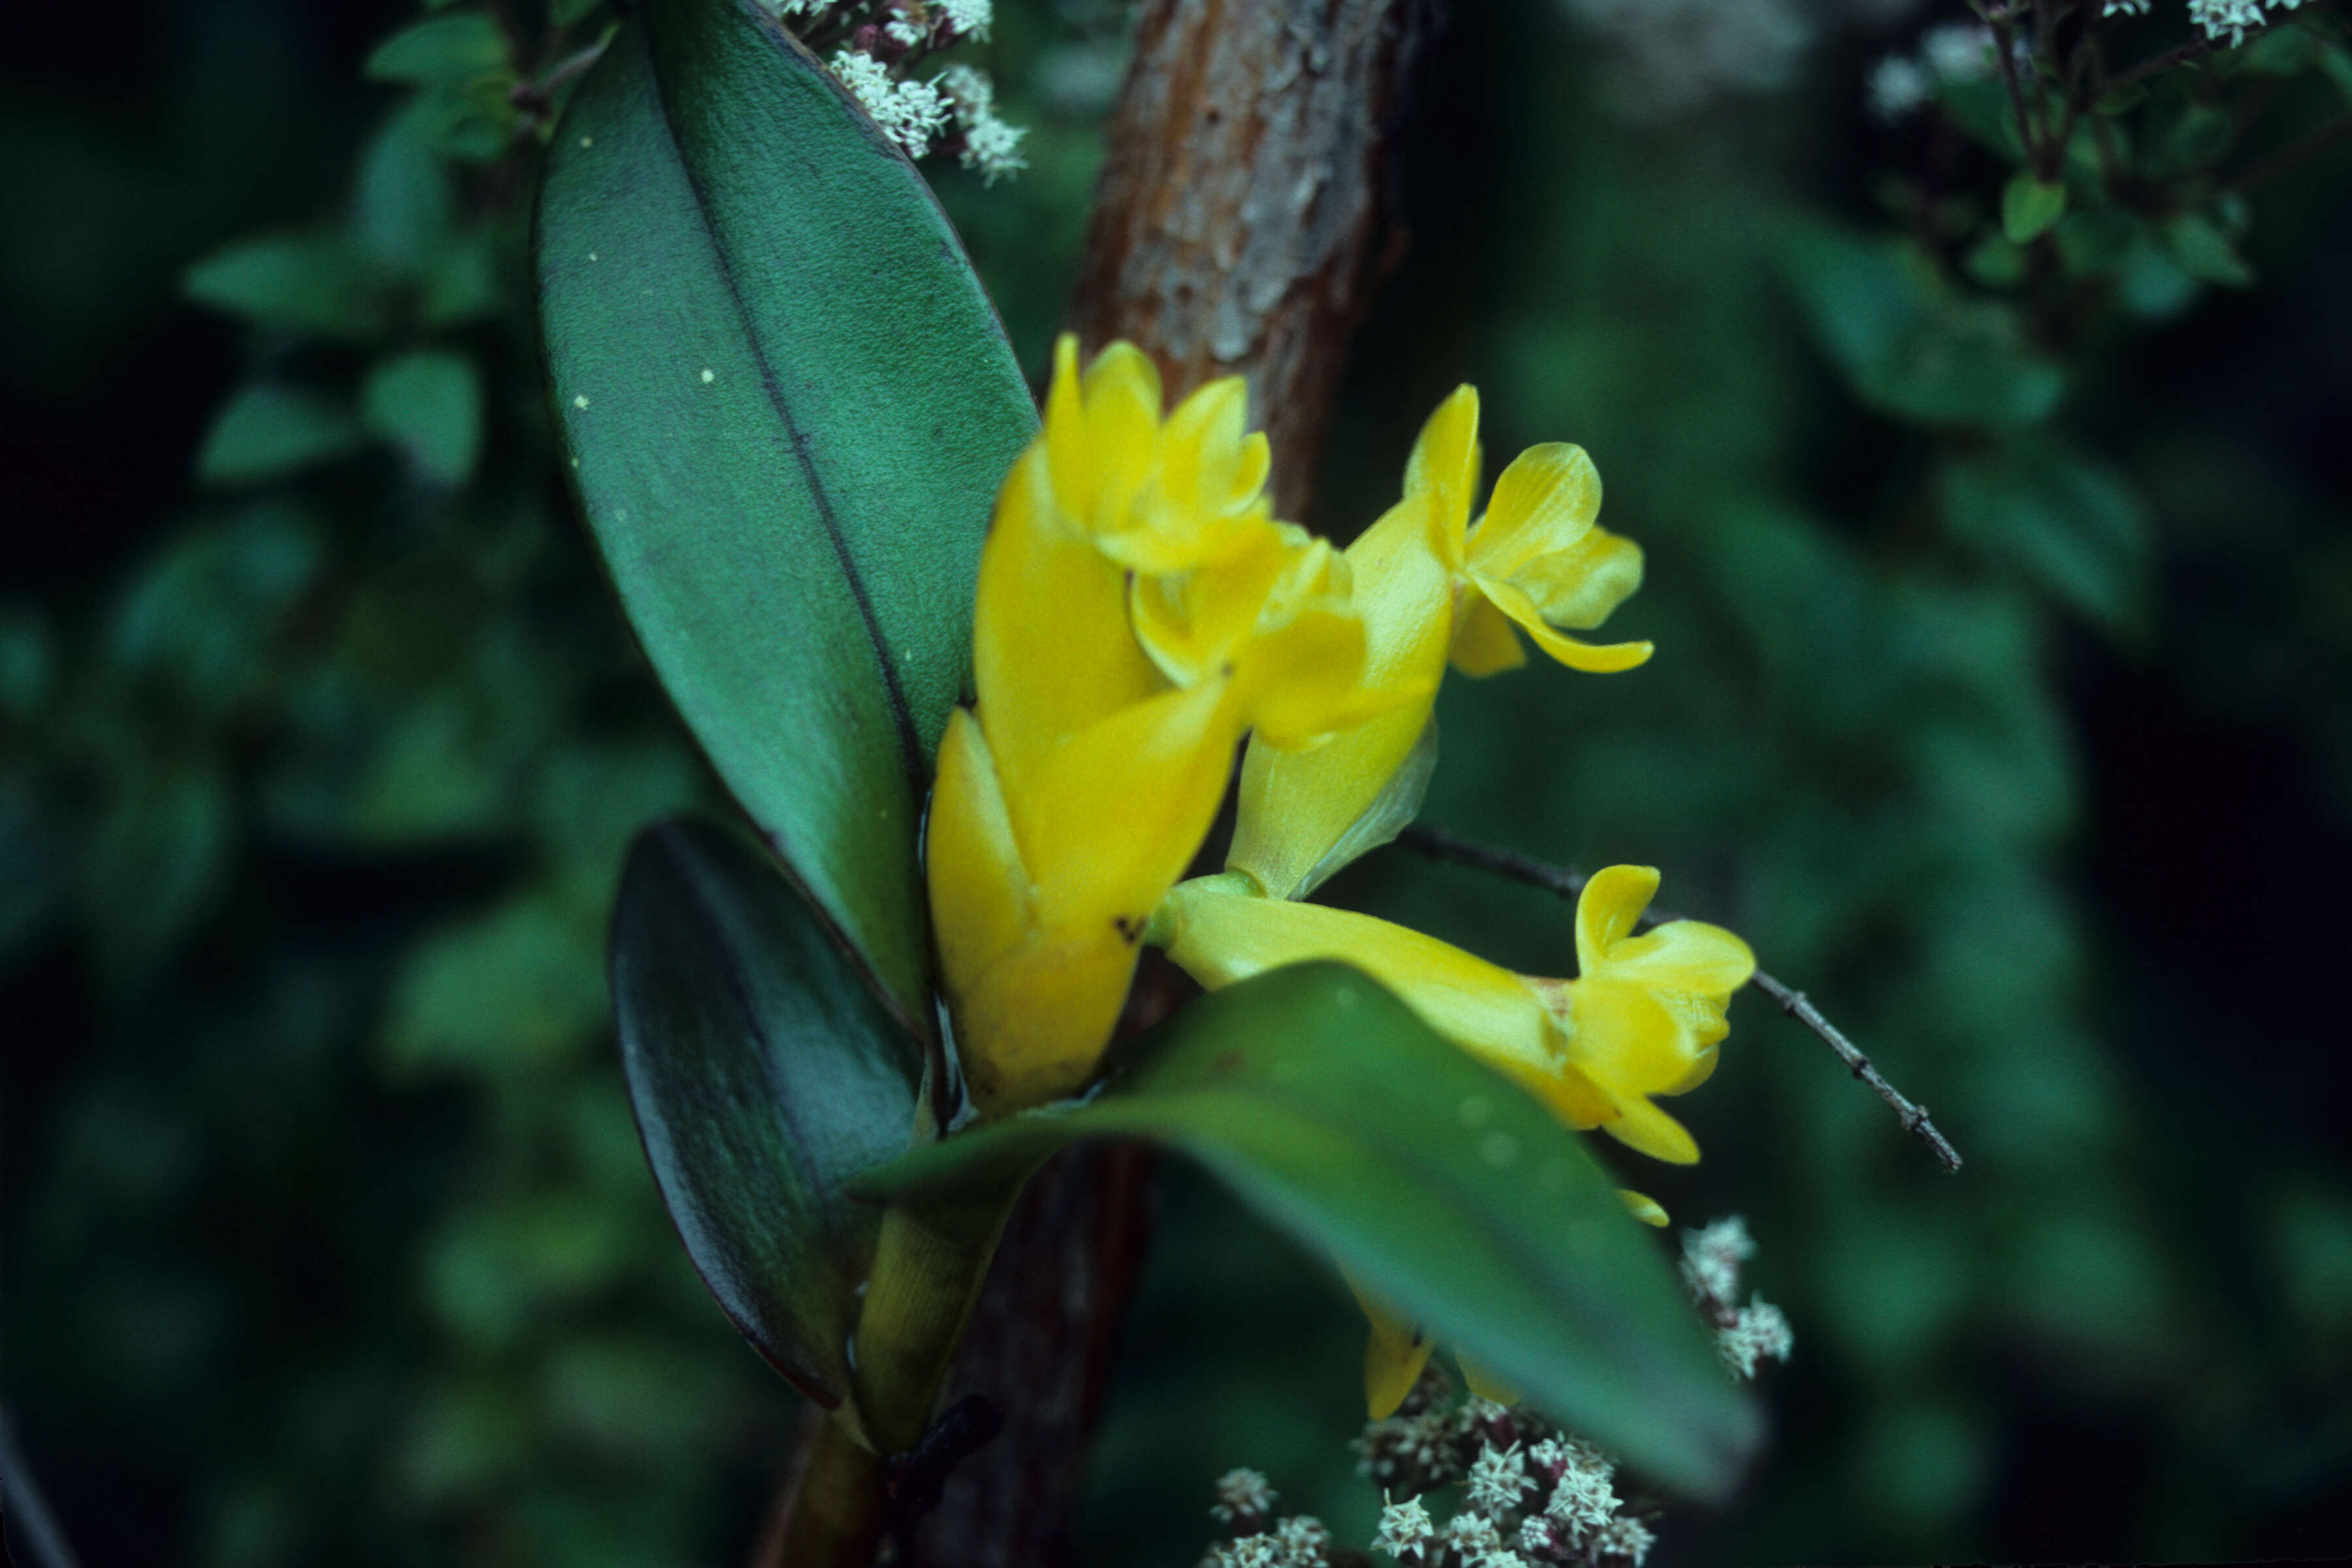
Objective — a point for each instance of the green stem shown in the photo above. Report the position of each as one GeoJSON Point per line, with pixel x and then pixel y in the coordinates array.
{"type": "Point", "coordinates": [836, 1507]}
{"type": "Point", "coordinates": [928, 1269]}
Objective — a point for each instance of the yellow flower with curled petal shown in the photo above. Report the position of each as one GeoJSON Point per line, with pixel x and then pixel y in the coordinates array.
{"type": "Point", "coordinates": [1642, 1018]}
{"type": "Point", "coordinates": [1139, 610]}
{"type": "Point", "coordinates": [1432, 585]}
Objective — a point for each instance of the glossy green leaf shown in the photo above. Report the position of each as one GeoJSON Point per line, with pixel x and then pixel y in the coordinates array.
{"type": "Point", "coordinates": [1443, 1187]}
{"type": "Point", "coordinates": [765, 1073]}
{"type": "Point", "coordinates": [789, 407]}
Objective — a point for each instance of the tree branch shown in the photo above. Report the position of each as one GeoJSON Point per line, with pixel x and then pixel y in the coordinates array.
{"type": "Point", "coordinates": [1563, 882]}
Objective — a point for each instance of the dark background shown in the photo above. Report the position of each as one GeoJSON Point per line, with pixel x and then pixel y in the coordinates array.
{"type": "Point", "coordinates": [326, 1234]}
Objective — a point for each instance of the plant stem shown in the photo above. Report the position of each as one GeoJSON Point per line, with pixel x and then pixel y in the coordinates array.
{"type": "Point", "coordinates": [1563, 882]}
{"type": "Point", "coordinates": [834, 1517]}
{"type": "Point", "coordinates": [928, 1269]}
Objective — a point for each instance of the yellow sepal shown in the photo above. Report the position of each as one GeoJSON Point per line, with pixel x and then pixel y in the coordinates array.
{"type": "Point", "coordinates": [1395, 1352]}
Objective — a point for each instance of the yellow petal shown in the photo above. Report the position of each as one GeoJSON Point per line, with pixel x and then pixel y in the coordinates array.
{"type": "Point", "coordinates": [1644, 1128]}
{"type": "Point", "coordinates": [1544, 501]}
{"type": "Point", "coordinates": [1296, 805]}
{"type": "Point", "coordinates": [1578, 587]}
{"type": "Point", "coordinates": [1484, 1383]}
{"type": "Point", "coordinates": [1052, 651]}
{"type": "Point", "coordinates": [1683, 956]}
{"type": "Point", "coordinates": [979, 887]}
{"type": "Point", "coordinates": [1597, 658]}
{"type": "Point", "coordinates": [1220, 936]}
{"type": "Point", "coordinates": [1629, 1039]}
{"type": "Point", "coordinates": [1645, 1209]}
{"type": "Point", "coordinates": [1122, 396]}
{"type": "Point", "coordinates": [1443, 467]}
{"type": "Point", "coordinates": [1031, 1027]}
{"type": "Point", "coordinates": [1119, 810]}
{"type": "Point", "coordinates": [1483, 642]}
{"type": "Point", "coordinates": [1394, 1353]}
{"type": "Point", "coordinates": [1608, 910]}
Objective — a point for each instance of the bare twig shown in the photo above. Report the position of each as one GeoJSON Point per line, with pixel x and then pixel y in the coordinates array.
{"type": "Point", "coordinates": [1565, 883]}
{"type": "Point", "coordinates": [2293, 155]}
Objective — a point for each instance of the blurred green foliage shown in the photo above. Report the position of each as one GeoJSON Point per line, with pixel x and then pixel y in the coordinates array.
{"type": "Point", "coordinates": [1999, 573]}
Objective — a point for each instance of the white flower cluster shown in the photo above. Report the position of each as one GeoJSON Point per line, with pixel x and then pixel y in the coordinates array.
{"type": "Point", "coordinates": [1712, 1259]}
{"type": "Point", "coordinates": [958, 105]}
{"type": "Point", "coordinates": [1901, 85]}
{"type": "Point", "coordinates": [1242, 1494]}
{"type": "Point", "coordinates": [1758, 1332]}
{"type": "Point", "coordinates": [908, 112]}
{"type": "Point", "coordinates": [990, 145]}
{"type": "Point", "coordinates": [2123, 8]}
{"type": "Point", "coordinates": [1405, 1529]}
{"type": "Point", "coordinates": [1498, 1480]}
{"type": "Point", "coordinates": [1299, 1542]}
{"type": "Point", "coordinates": [1583, 1502]}
{"type": "Point", "coordinates": [2234, 17]}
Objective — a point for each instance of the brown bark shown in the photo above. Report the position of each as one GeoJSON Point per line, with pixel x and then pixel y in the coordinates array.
{"type": "Point", "coordinates": [1242, 219]}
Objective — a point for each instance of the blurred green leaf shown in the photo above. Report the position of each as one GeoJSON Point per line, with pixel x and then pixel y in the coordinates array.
{"type": "Point", "coordinates": [2071, 525]}
{"type": "Point", "coordinates": [1908, 346]}
{"type": "Point", "coordinates": [428, 403]}
{"type": "Point", "coordinates": [1443, 1187]}
{"type": "Point", "coordinates": [498, 996]}
{"type": "Point", "coordinates": [269, 430]}
{"type": "Point", "coordinates": [157, 859]}
{"type": "Point", "coordinates": [2200, 136]}
{"type": "Point", "coordinates": [405, 211]}
{"type": "Point", "coordinates": [2205, 252]}
{"type": "Point", "coordinates": [733, 264]}
{"type": "Point", "coordinates": [451, 50]}
{"type": "Point", "coordinates": [2030, 205]}
{"type": "Point", "coordinates": [1996, 262]}
{"type": "Point", "coordinates": [198, 620]}
{"type": "Point", "coordinates": [316, 283]}
{"type": "Point", "coordinates": [1980, 106]}
{"type": "Point", "coordinates": [765, 1073]}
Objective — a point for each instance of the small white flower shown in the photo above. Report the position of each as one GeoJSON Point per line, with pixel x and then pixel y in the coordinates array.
{"type": "Point", "coordinates": [1626, 1536]}
{"type": "Point", "coordinates": [1498, 1478]}
{"type": "Point", "coordinates": [990, 145]}
{"type": "Point", "coordinates": [1405, 1529]}
{"type": "Point", "coordinates": [969, 18]}
{"type": "Point", "coordinates": [1712, 1256]}
{"type": "Point", "coordinates": [1758, 1332]}
{"type": "Point", "coordinates": [1249, 1551]}
{"type": "Point", "coordinates": [1899, 86]}
{"type": "Point", "coordinates": [1241, 1494]}
{"type": "Point", "coordinates": [2123, 8]}
{"type": "Point", "coordinates": [1582, 1503]}
{"type": "Point", "coordinates": [903, 33]}
{"type": "Point", "coordinates": [1473, 1535]}
{"type": "Point", "coordinates": [909, 112]}
{"type": "Point", "coordinates": [1302, 1540]}
{"type": "Point", "coordinates": [2235, 17]}
{"type": "Point", "coordinates": [1539, 1537]}
{"type": "Point", "coordinates": [1957, 51]}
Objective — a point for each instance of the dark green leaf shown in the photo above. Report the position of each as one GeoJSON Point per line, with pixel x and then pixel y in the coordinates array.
{"type": "Point", "coordinates": [268, 431]}
{"type": "Point", "coordinates": [789, 407]}
{"type": "Point", "coordinates": [1444, 1188]}
{"type": "Point", "coordinates": [2029, 207]}
{"type": "Point", "coordinates": [441, 52]}
{"type": "Point", "coordinates": [765, 1074]}
{"type": "Point", "coordinates": [2071, 526]}
{"type": "Point", "coordinates": [429, 404]}
{"type": "Point", "coordinates": [318, 283]}
{"type": "Point", "coordinates": [159, 854]}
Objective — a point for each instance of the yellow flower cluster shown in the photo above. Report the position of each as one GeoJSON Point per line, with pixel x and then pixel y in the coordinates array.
{"type": "Point", "coordinates": [1140, 612]}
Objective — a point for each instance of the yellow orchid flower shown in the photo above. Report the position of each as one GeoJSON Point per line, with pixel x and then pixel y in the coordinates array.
{"type": "Point", "coordinates": [1642, 1018]}
{"type": "Point", "coordinates": [1139, 610]}
{"type": "Point", "coordinates": [1432, 585]}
